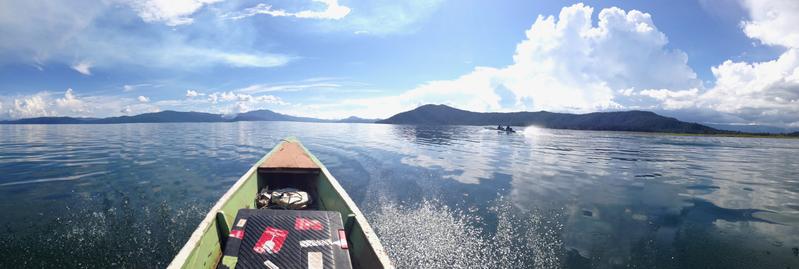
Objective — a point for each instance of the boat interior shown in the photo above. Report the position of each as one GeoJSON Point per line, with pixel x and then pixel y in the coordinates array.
{"type": "Point", "coordinates": [289, 165]}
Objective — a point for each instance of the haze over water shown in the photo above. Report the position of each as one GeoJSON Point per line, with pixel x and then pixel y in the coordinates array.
{"type": "Point", "coordinates": [129, 195]}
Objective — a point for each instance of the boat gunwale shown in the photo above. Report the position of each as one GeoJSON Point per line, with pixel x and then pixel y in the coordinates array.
{"type": "Point", "coordinates": [194, 240]}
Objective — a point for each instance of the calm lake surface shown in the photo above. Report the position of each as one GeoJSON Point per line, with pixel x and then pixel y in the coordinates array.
{"type": "Point", "coordinates": [129, 195]}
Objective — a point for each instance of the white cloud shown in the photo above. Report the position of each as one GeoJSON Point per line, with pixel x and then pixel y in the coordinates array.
{"type": "Point", "coordinates": [245, 59]}
{"type": "Point", "coordinates": [70, 102]}
{"type": "Point", "coordinates": [49, 104]}
{"type": "Point", "coordinates": [193, 93]}
{"type": "Point", "coordinates": [663, 94]}
{"type": "Point", "coordinates": [564, 64]}
{"type": "Point", "coordinates": [46, 104]}
{"type": "Point", "coordinates": [128, 88]}
{"type": "Point", "coordinates": [232, 102]}
{"type": "Point", "coordinates": [773, 22]}
{"type": "Point", "coordinates": [170, 12]}
{"type": "Point", "coordinates": [382, 17]}
{"type": "Point", "coordinates": [759, 92]}
{"type": "Point", "coordinates": [232, 96]}
{"type": "Point", "coordinates": [177, 52]}
{"type": "Point", "coordinates": [374, 17]}
{"type": "Point", "coordinates": [762, 92]}
{"type": "Point", "coordinates": [673, 99]}
{"type": "Point", "coordinates": [28, 107]}
{"type": "Point", "coordinates": [53, 32]}
{"type": "Point", "coordinates": [569, 64]}
{"type": "Point", "coordinates": [332, 11]}
{"type": "Point", "coordinates": [83, 67]}
{"type": "Point", "coordinates": [261, 88]}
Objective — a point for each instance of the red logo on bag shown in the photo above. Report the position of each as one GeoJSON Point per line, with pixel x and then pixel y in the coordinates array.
{"type": "Point", "coordinates": [271, 241]}
{"type": "Point", "coordinates": [237, 234]}
{"type": "Point", "coordinates": [307, 224]}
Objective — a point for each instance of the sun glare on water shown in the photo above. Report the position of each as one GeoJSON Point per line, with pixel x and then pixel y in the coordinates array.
{"type": "Point", "coordinates": [532, 131]}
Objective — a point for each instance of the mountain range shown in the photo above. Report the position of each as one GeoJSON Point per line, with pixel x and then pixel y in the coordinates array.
{"type": "Point", "coordinates": [176, 116]}
{"type": "Point", "coordinates": [637, 121]}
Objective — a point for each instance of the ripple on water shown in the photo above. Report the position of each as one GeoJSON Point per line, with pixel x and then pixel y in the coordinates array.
{"type": "Point", "coordinates": [53, 179]}
{"type": "Point", "coordinates": [636, 193]}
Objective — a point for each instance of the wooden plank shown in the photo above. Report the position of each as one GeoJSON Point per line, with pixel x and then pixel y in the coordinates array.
{"type": "Point", "coordinates": [290, 156]}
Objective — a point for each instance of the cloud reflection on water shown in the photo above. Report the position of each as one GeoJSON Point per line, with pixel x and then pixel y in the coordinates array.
{"type": "Point", "coordinates": [620, 198]}
{"type": "Point", "coordinates": [622, 189]}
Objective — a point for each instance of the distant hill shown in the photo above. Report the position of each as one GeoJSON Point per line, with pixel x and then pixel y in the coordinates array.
{"type": "Point", "coordinates": [269, 115]}
{"type": "Point", "coordinates": [177, 116]}
{"type": "Point", "coordinates": [638, 121]}
{"type": "Point", "coordinates": [49, 120]}
{"type": "Point", "coordinates": [762, 129]}
{"type": "Point", "coordinates": [163, 116]}
{"type": "Point", "coordinates": [354, 119]}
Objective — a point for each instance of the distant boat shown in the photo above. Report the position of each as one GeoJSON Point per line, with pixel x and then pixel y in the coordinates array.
{"type": "Point", "coordinates": [500, 130]}
{"type": "Point", "coordinates": [289, 164]}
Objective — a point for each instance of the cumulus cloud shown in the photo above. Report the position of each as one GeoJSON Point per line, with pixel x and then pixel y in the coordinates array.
{"type": "Point", "coordinates": [564, 64]}
{"type": "Point", "coordinates": [332, 11]}
{"type": "Point", "coordinates": [70, 102]}
{"type": "Point", "coordinates": [28, 107]}
{"type": "Point", "coordinates": [193, 93]}
{"type": "Point", "coordinates": [673, 99]}
{"type": "Point", "coordinates": [83, 67]}
{"type": "Point", "coordinates": [758, 92]}
{"type": "Point", "coordinates": [773, 22]}
{"type": "Point", "coordinates": [230, 102]}
{"type": "Point", "coordinates": [52, 104]}
{"type": "Point", "coordinates": [761, 92]}
{"type": "Point", "coordinates": [233, 96]}
{"type": "Point", "coordinates": [169, 12]}
{"type": "Point", "coordinates": [567, 63]}
{"type": "Point", "coordinates": [570, 62]}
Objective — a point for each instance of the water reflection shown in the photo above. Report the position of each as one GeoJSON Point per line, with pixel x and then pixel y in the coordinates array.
{"type": "Point", "coordinates": [624, 190]}
{"type": "Point", "coordinates": [543, 198]}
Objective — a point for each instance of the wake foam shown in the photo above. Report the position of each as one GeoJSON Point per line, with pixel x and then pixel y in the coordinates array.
{"type": "Point", "coordinates": [433, 235]}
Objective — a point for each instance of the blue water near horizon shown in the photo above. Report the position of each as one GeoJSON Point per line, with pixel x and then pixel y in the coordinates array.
{"type": "Point", "coordinates": [129, 195]}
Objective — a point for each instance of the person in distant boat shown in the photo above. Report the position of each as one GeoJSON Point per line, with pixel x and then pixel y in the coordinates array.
{"type": "Point", "coordinates": [508, 129]}
{"type": "Point", "coordinates": [499, 127]}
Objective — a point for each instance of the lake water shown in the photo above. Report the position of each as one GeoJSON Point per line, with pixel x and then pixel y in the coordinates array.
{"type": "Point", "coordinates": [129, 195]}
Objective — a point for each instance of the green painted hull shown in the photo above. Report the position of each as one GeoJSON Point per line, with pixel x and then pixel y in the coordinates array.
{"type": "Point", "coordinates": [203, 249]}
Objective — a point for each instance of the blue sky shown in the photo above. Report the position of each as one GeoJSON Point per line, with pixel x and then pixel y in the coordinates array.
{"type": "Point", "coordinates": [707, 61]}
